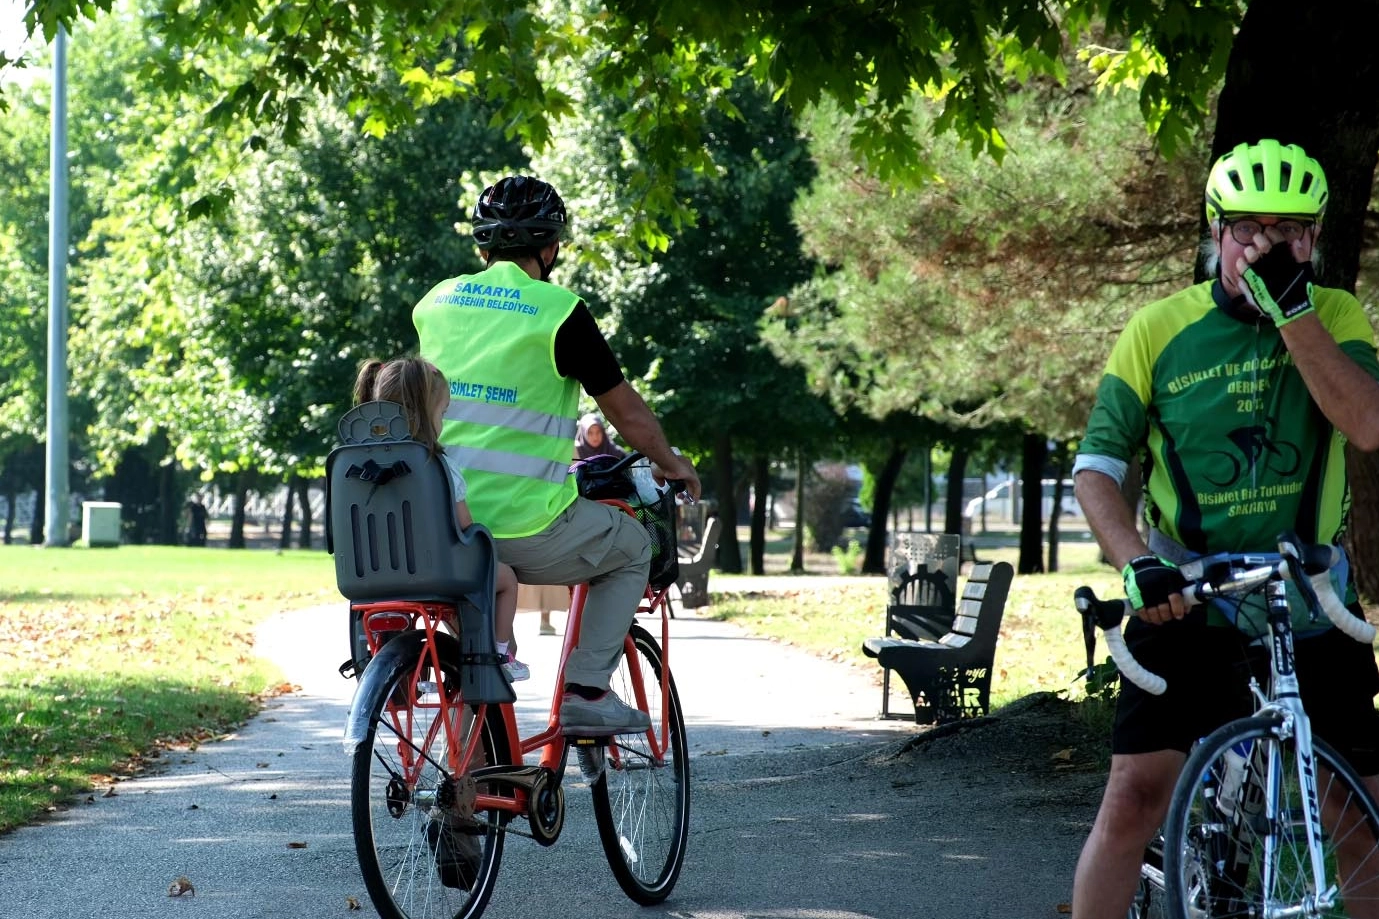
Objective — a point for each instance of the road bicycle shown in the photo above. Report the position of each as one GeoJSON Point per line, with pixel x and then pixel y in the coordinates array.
{"type": "Point", "coordinates": [440, 781]}
{"type": "Point", "coordinates": [1265, 820]}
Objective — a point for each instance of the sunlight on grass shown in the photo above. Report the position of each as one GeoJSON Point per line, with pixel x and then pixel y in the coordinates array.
{"type": "Point", "coordinates": [108, 657]}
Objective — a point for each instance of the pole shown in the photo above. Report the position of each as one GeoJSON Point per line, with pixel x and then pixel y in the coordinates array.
{"type": "Point", "coordinates": [55, 512]}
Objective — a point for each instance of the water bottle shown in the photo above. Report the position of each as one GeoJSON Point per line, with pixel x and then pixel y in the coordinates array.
{"type": "Point", "coordinates": [1233, 766]}
{"type": "Point", "coordinates": [648, 492]}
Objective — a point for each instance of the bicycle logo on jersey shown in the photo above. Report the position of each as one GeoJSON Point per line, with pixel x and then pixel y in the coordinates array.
{"type": "Point", "coordinates": [1254, 449]}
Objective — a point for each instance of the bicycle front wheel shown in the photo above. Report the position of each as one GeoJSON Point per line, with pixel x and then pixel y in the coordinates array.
{"type": "Point", "coordinates": [641, 799]}
{"type": "Point", "coordinates": [1229, 853]}
{"type": "Point", "coordinates": [425, 850]}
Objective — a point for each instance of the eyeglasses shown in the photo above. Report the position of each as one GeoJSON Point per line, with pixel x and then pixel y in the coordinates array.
{"type": "Point", "coordinates": [1244, 231]}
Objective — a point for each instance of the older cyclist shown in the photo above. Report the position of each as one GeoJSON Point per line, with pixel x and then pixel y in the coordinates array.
{"type": "Point", "coordinates": [1238, 394]}
{"type": "Point", "coordinates": [517, 349]}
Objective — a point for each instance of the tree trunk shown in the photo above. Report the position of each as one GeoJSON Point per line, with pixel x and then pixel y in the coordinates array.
{"type": "Point", "coordinates": [303, 504]}
{"type": "Point", "coordinates": [952, 503]}
{"type": "Point", "coordinates": [1060, 470]}
{"type": "Point", "coordinates": [40, 509]}
{"type": "Point", "coordinates": [761, 495]}
{"type": "Point", "coordinates": [1034, 452]}
{"type": "Point", "coordinates": [169, 508]}
{"type": "Point", "coordinates": [285, 537]}
{"type": "Point", "coordinates": [875, 560]}
{"type": "Point", "coordinates": [797, 555]}
{"type": "Point", "coordinates": [9, 516]}
{"type": "Point", "coordinates": [729, 550]}
{"type": "Point", "coordinates": [1362, 538]}
{"type": "Point", "coordinates": [237, 519]}
{"type": "Point", "coordinates": [1329, 104]}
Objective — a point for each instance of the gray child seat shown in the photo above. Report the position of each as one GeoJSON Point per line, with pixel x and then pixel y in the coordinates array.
{"type": "Point", "coordinates": [391, 526]}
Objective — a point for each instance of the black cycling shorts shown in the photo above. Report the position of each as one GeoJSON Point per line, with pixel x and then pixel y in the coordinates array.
{"type": "Point", "coordinates": [1206, 668]}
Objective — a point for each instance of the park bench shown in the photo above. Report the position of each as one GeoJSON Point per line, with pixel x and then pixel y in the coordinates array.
{"type": "Point", "coordinates": [949, 678]}
{"type": "Point", "coordinates": [695, 562]}
{"type": "Point", "coordinates": [922, 605]}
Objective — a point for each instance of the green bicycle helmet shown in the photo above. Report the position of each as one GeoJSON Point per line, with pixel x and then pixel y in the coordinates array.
{"type": "Point", "coordinates": [1266, 178]}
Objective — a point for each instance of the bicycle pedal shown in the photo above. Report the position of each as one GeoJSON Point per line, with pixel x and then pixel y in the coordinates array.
{"type": "Point", "coordinates": [593, 760]}
{"type": "Point", "coordinates": [349, 669]}
{"type": "Point", "coordinates": [592, 741]}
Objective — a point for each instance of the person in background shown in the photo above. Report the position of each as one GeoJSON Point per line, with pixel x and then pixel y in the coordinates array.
{"type": "Point", "coordinates": [424, 395]}
{"type": "Point", "coordinates": [591, 439]}
{"type": "Point", "coordinates": [196, 522]}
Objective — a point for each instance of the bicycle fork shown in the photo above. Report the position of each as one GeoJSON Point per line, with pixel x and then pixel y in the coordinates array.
{"type": "Point", "coordinates": [1293, 725]}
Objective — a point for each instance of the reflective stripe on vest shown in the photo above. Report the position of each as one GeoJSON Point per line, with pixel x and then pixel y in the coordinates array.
{"type": "Point", "coordinates": [528, 467]}
{"type": "Point", "coordinates": [518, 419]}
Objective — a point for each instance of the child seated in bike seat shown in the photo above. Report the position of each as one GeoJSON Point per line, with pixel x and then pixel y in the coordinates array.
{"type": "Point", "coordinates": [424, 394]}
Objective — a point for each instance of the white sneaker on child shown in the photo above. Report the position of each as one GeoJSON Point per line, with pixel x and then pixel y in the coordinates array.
{"type": "Point", "coordinates": [515, 669]}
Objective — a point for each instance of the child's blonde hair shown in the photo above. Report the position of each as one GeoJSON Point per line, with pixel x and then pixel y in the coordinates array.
{"type": "Point", "coordinates": [411, 382]}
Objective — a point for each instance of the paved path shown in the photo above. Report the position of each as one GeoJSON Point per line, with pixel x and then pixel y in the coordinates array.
{"type": "Point", "coordinates": [798, 809]}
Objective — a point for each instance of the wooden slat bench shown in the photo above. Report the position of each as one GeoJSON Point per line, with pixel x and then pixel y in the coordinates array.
{"type": "Point", "coordinates": [949, 678]}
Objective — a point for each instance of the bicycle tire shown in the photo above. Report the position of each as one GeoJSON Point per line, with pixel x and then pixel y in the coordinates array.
{"type": "Point", "coordinates": [642, 804]}
{"type": "Point", "coordinates": [1224, 849]}
{"type": "Point", "coordinates": [411, 837]}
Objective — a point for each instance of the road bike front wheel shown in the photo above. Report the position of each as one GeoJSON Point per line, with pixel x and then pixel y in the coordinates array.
{"type": "Point", "coordinates": [1229, 854]}
{"type": "Point", "coordinates": [641, 799]}
{"type": "Point", "coordinates": [424, 849]}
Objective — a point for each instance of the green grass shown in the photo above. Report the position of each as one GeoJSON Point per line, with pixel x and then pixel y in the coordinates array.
{"type": "Point", "coordinates": [1040, 648]}
{"type": "Point", "coordinates": [111, 657]}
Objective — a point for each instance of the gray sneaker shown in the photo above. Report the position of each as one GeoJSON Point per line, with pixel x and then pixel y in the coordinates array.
{"type": "Point", "coordinates": [601, 717]}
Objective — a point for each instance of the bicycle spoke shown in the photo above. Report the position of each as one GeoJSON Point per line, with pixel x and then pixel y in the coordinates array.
{"type": "Point", "coordinates": [424, 849]}
{"type": "Point", "coordinates": [642, 799]}
{"type": "Point", "coordinates": [1237, 850]}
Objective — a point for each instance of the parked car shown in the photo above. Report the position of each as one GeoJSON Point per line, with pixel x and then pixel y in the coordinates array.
{"type": "Point", "coordinates": [999, 507]}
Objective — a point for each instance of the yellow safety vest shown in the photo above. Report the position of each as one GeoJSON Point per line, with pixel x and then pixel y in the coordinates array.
{"type": "Point", "coordinates": [512, 418]}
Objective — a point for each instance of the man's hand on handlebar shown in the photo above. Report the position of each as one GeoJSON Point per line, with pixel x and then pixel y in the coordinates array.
{"type": "Point", "coordinates": [1155, 588]}
{"type": "Point", "coordinates": [682, 471]}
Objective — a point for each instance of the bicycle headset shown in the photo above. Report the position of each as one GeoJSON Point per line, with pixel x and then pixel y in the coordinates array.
{"type": "Point", "coordinates": [1266, 178]}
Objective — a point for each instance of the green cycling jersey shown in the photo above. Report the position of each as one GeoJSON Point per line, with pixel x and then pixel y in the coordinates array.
{"type": "Point", "coordinates": [1235, 449]}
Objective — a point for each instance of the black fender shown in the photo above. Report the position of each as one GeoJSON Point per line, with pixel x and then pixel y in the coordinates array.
{"type": "Point", "coordinates": [400, 653]}
{"type": "Point", "coordinates": [481, 680]}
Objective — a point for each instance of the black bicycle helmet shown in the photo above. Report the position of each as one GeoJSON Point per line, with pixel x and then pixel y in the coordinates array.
{"type": "Point", "coordinates": [518, 212]}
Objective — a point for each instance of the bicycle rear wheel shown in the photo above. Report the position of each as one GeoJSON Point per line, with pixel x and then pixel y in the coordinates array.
{"type": "Point", "coordinates": [641, 799]}
{"type": "Point", "coordinates": [1232, 859]}
{"type": "Point", "coordinates": [424, 850]}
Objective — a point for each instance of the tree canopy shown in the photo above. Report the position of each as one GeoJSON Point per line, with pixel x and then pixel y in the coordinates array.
{"type": "Point", "coordinates": [674, 64]}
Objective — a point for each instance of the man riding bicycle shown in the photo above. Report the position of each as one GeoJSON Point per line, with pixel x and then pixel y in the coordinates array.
{"type": "Point", "coordinates": [1259, 355]}
{"type": "Point", "coordinates": [517, 349]}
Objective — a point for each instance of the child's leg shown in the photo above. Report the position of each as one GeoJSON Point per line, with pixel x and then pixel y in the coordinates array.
{"type": "Point", "coordinates": [504, 603]}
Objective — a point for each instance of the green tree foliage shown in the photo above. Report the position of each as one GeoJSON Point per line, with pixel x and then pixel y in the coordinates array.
{"type": "Point", "coordinates": [978, 298]}
{"type": "Point", "coordinates": [976, 301]}
{"type": "Point", "coordinates": [666, 61]}
{"type": "Point", "coordinates": [687, 325]}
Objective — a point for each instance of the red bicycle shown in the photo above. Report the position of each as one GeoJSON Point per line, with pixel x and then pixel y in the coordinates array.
{"type": "Point", "coordinates": [440, 782]}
